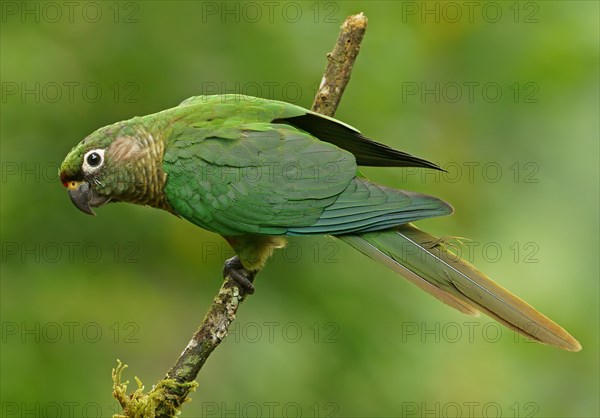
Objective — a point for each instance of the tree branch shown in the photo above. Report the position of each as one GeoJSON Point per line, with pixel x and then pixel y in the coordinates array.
{"type": "Point", "coordinates": [167, 396]}
{"type": "Point", "coordinates": [339, 65]}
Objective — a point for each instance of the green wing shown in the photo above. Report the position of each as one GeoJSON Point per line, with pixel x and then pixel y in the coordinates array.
{"type": "Point", "coordinates": [230, 170]}
{"type": "Point", "coordinates": [366, 151]}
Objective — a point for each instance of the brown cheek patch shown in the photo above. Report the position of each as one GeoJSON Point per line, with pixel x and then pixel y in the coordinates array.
{"type": "Point", "coordinates": [125, 148]}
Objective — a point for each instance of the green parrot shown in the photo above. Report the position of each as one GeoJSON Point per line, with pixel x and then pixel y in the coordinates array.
{"type": "Point", "coordinates": [255, 171]}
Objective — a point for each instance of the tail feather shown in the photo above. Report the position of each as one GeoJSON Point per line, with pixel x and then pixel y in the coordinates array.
{"type": "Point", "coordinates": [426, 262]}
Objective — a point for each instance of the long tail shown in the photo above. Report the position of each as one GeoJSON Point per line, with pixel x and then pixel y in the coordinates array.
{"type": "Point", "coordinates": [426, 262]}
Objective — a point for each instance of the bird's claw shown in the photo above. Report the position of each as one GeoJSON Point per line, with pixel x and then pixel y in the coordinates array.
{"type": "Point", "coordinates": [235, 269]}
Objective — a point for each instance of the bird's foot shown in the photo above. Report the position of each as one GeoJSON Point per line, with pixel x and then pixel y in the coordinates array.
{"type": "Point", "coordinates": [236, 270]}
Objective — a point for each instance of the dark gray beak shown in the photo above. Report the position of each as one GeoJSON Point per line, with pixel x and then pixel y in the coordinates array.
{"type": "Point", "coordinates": [85, 198]}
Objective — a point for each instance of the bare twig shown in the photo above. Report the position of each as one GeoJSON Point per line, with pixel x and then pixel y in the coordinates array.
{"type": "Point", "coordinates": [167, 396]}
{"type": "Point", "coordinates": [339, 65]}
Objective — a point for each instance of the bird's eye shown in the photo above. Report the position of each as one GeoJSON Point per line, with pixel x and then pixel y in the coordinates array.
{"type": "Point", "coordinates": [94, 159]}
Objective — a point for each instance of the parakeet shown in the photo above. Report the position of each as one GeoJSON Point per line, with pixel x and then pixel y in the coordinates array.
{"type": "Point", "coordinates": [255, 171]}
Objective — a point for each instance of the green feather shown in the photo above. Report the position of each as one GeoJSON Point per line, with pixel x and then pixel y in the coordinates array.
{"type": "Point", "coordinates": [425, 261]}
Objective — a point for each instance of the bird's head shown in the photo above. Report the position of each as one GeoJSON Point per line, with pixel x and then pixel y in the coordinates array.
{"type": "Point", "coordinates": [111, 164]}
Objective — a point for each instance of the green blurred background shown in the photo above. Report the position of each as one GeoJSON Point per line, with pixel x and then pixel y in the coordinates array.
{"type": "Point", "coordinates": [504, 95]}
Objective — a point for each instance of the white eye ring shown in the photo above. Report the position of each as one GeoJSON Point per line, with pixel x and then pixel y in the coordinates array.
{"type": "Point", "coordinates": [91, 163]}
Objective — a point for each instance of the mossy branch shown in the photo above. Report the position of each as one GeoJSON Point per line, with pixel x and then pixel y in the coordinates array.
{"type": "Point", "coordinates": [167, 396]}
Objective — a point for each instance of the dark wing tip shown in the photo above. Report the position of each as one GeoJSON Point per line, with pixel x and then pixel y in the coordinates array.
{"type": "Point", "coordinates": [366, 151]}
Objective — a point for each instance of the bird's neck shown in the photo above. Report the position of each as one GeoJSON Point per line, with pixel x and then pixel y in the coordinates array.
{"type": "Point", "coordinates": [147, 177]}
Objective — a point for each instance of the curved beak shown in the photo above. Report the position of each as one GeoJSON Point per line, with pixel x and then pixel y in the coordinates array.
{"type": "Point", "coordinates": [84, 198]}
